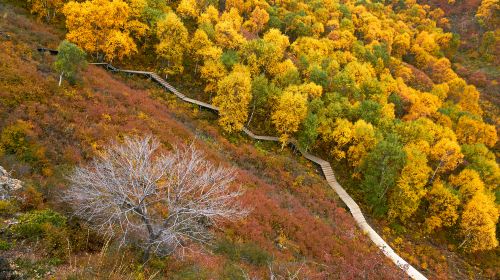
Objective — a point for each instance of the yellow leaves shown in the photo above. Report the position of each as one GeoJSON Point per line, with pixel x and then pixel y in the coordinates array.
{"type": "Point", "coordinates": [443, 205]}
{"type": "Point", "coordinates": [212, 71]}
{"type": "Point", "coordinates": [227, 30]}
{"type": "Point", "coordinates": [199, 41]}
{"type": "Point", "coordinates": [468, 183]}
{"type": "Point", "coordinates": [232, 16]}
{"type": "Point", "coordinates": [106, 117]}
{"type": "Point", "coordinates": [487, 13]}
{"type": "Point", "coordinates": [118, 45]}
{"type": "Point", "coordinates": [440, 70]}
{"type": "Point", "coordinates": [314, 49]}
{"type": "Point", "coordinates": [279, 40]}
{"type": "Point", "coordinates": [310, 90]}
{"type": "Point", "coordinates": [427, 41]}
{"type": "Point", "coordinates": [289, 113]}
{"type": "Point", "coordinates": [339, 134]}
{"type": "Point", "coordinates": [470, 131]}
{"type": "Point", "coordinates": [447, 153]}
{"type": "Point", "coordinates": [401, 45]}
{"type": "Point", "coordinates": [466, 96]}
{"type": "Point", "coordinates": [102, 26]}
{"type": "Point", "coordinates": [374, 28]}
{"type": "Point", "coordinates": [136, 28]}
{"type": "Point", "coordinates": [360, 72]}
{"type": "Point", "coordinates": [173, 38]}
{"type": "Point", "coordinates": [210, 16]}
{"type": "Point", "coordinates": [137, 7]}
{"type": "Point", "coordinates": [188, 8]}
{"type": "Point", "coordinates": [282, 68]}
{"type": "Point", "coordinates": [46, 9]}
{"type": "Point", "coordinates": [233, 96]}
{"type": "Point", "coordinates": [424, 129]}
{"type": "Point", "coordinates": [478, 223]}
{"type": "Point", "coordinates": [258, 19]}
{"type": "Point", "coordinates": [422, 105]}
{"type": "Point", "coordinates": [237, 5]}
{"type": "Point", "coordinates": [388, 111]}
{"type": "Point", "coordinates": [410, 189]}
{"type": "Point", "coordinates": [363, 140]}
{"type": "Point", "coordinates": [441, 91]}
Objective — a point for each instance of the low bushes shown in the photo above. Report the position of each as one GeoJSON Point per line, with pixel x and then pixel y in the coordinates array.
{"type": "Point", "coordinates": [47, 225]}
{"type": "Point", "coordinates": [248, 252]}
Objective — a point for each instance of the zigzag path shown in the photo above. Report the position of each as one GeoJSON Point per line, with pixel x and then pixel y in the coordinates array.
{"type": "Point", "coordinates": [325, 168]}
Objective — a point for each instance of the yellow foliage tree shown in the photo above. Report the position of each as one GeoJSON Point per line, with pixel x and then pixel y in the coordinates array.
{"type": "Point", "coordinates": [46, 9]}
{"type": "Point", "coordinates": [441, 91]}
{"type": "Point", "coordinates": [201, 48]}
{"type": "Point", "coordinates": [227, 30]}
{"type": "Point", "coordinates": [258, 19]}
{"type": "Point", "coordinates": [467, 96]}
{"type": "Point", "coordinates": [478, 223]}
{"type": "Point", "coordinates": [173, 37]}
{"type": "Point", "coordinates": [103, 27]}
{"type": "Point", "coordinates": [447, 154]}
{"type": "Point", "coordinates": [488, 13]}
{"type": "Point", "coordinates": [422, 105]}
{"type": "Point", "coordinates": [410, 189]}
{"type": "Point", "coordinates": [289, 113]}
{"type": "Point", "coordinates": [363, 140]}
{"type": "Point", "coordinates": [209, 16]}
{"type": "Point", "coordinates": [233, 96]}
{"type": "Point", "coordinates": [443, 205]}
{"type": "Point", "coordinates": [470, 131]}
{"type": "Point", "coordinates": [338, 135]}
{"type": "Point", "coordinates": [227, 36]}
{"type": "Point", "coordinates": [188, 8]}
{"type": "Point", "coordinates": [468, 182]}
{"type": "Point", "coordinates": [310, 90]}
{"type": "Point", "coordinates": [213, 70]}
{"type": "Point", "coordinates": [401, 45]}
{"type": "Point", "coordinates": [279, 40]}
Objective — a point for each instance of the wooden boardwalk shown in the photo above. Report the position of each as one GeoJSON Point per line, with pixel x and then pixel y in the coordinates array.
{"type": "Point", "coordinates": [325, 168]}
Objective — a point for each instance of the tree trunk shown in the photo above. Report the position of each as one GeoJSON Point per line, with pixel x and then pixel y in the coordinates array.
{"type": "Point", "coordinates": [60, 78]}
{"type": "Point", "coordinates": [222, 5]}
{"type": "Point", "coordinates": [251, 115]}
{"type": "Point", "coordinates": [435, 171]}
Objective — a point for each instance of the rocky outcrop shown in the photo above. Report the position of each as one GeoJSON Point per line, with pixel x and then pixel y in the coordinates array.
{"type": "Point", "coordinates": [7, 184]}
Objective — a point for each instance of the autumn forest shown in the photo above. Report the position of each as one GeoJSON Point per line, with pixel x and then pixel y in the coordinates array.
{"type": "Point", "coordinates": [401, 97]}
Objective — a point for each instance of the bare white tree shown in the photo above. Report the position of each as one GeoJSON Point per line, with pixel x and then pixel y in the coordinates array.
{"type": "Point", "coordinates": [161, 201]}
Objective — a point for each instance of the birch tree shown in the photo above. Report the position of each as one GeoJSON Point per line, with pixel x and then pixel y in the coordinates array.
{"type": "Point", "coordinates": [70, 60]}
{"type": "Point", "coordinates": [160, 201]}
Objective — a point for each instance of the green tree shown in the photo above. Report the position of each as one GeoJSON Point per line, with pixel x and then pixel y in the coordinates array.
{"type": "Point", "coordinates": [264, 95]}
{"type": "Point", "coordinates": [69, 61]}
{"type": "Point", "coordinates": [309, 132]}
{"type": "Point", "coordinates": [479, 158]}
{"type": "Point", "coordinates": [381, 170]}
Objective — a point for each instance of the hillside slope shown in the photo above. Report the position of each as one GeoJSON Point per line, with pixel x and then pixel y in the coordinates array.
{"type": "Point", "coordinates": [294, 218]}
{"type": "Point", "coordinates": [297, 223]}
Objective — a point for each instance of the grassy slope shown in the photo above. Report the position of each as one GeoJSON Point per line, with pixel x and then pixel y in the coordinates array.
{"type": "Point", "coordinates": [72, 123]}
